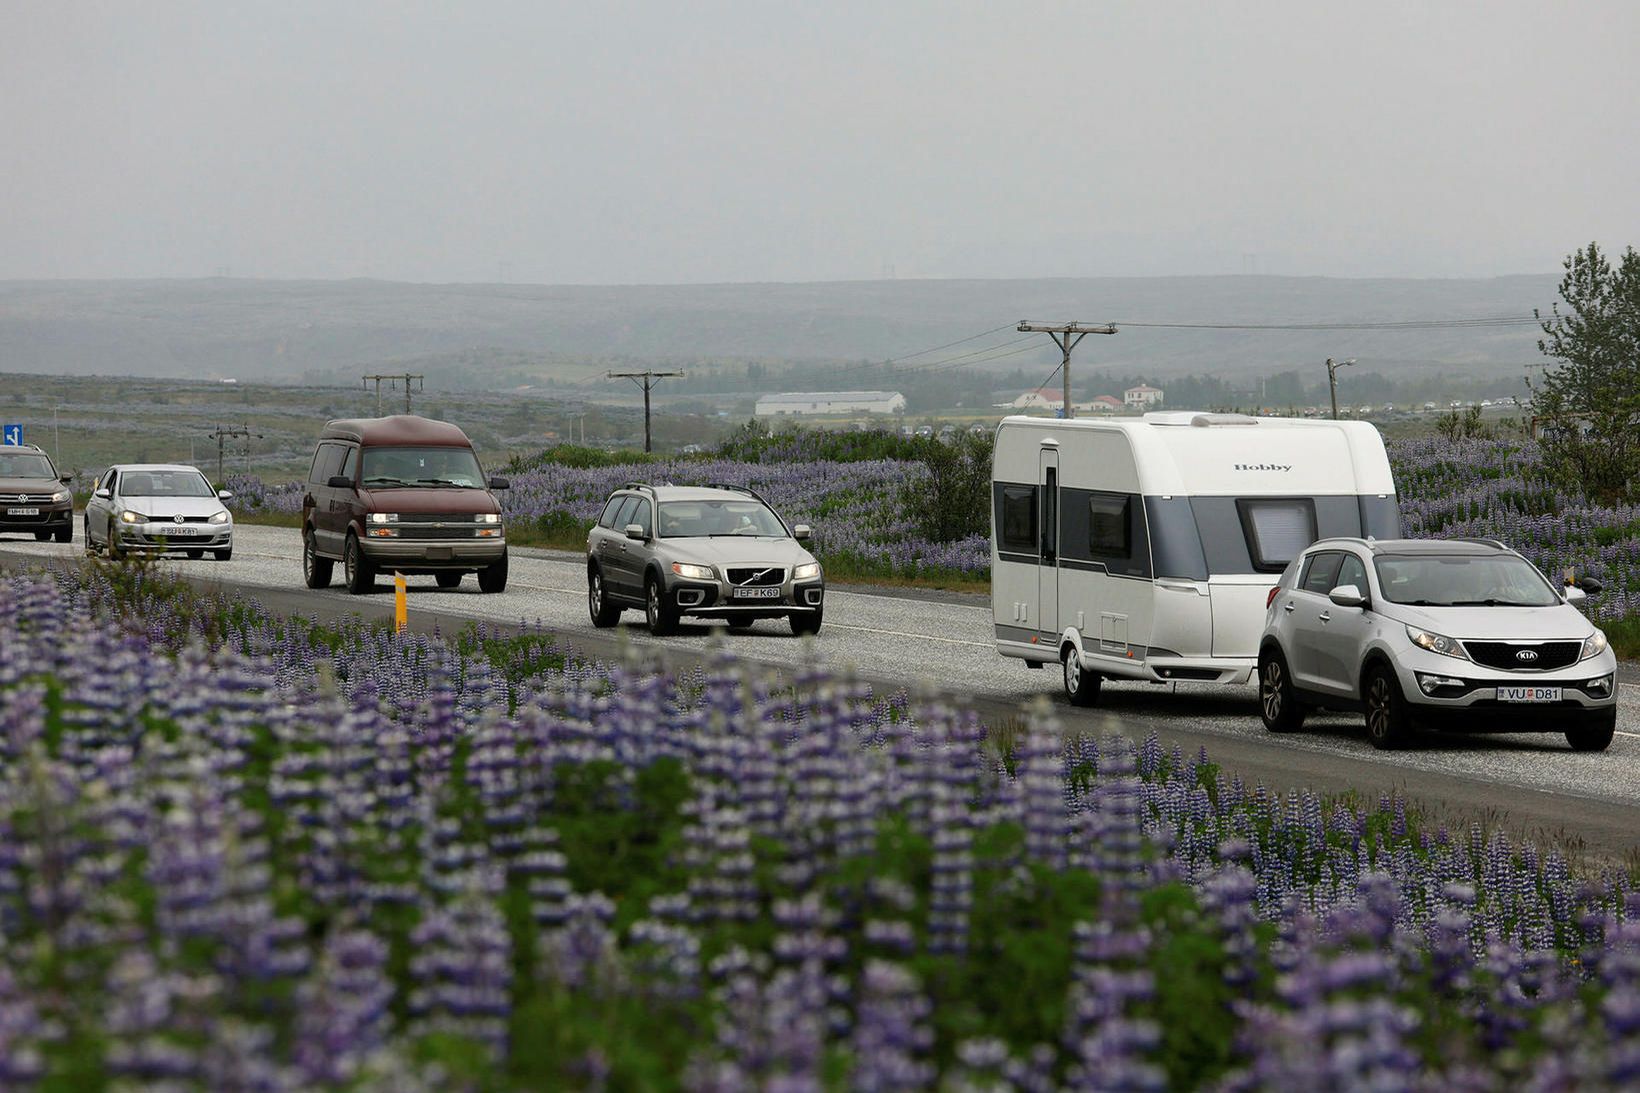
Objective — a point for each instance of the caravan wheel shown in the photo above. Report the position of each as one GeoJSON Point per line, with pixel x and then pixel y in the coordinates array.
{"type": "Point", "coordinates": [1081, 685]}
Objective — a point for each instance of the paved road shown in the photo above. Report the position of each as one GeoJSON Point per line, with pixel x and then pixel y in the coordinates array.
{"type": "Point", "coordinates": [1531, 784]}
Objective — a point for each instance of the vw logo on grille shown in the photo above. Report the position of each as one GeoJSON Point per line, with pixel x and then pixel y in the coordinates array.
{"type": "Point", "coordinates": [177, 519]}
{"type": "Point", "coordinates": [1527, 655]}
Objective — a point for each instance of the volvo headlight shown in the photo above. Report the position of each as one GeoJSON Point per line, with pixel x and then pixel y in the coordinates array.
{"type": "Point", "coordinates": [805, 571]}
{"type": "Point", "coordinates": [488, 518]}
{"type": "Point", "coordinates": [1594, 645]}
{"type": "Point", "coordinates": [129, 517]}
{"type": "Point", "coordinates": [220, 517]}
{"type": "Point", "coordinates": [1436, 643]}
{"type": "Point", "coordinates": [60, 496]}
{"type": "Point", "coordinates": [382, 518]}
{"type": "Point", "coordinates": [693, 572]}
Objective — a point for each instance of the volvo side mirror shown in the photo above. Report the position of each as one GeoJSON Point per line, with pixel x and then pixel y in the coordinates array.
{"type": "Point", "coordinates": [1347, 595]}
{"type": "Point", "coordinates": [800, 532]}
{"type": "Point", "coordinates": [635, 531]}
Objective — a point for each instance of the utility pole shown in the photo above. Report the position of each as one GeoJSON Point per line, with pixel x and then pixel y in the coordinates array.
{"type": "Point", "coordinates": [222, 433]}
{"type": "Point", "coordinates": [1332, 380]}
{"type": "Point", "coordinates": [1065, 336]}
{"type": "Point", "coordinates": [411, 380]}
{"type": "Point", "coordinates": [646, 380]}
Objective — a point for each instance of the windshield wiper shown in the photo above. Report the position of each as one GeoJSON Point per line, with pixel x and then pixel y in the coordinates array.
{"type": "Point", "coordinates": [385, 478]}
{"type": "Point", "coordinates": [445, 482]}
{"type": "Point", "coordinates": [1422, 603]}
{"type": "Point", "coordinates": [1491, 603]}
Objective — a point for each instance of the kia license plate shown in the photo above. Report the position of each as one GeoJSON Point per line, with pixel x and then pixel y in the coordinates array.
{"type": "Point", "coordinates": [1528, 694]}
{"type": "Point", "coordinates": [757, 594]}
{"type": "Point", "coordinates": [22, 512]}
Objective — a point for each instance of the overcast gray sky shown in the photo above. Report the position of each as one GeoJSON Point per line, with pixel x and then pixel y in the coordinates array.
{"type": "Point", "coordinates": [648, 142]}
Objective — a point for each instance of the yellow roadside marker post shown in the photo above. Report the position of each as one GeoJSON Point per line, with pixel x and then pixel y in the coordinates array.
{"type": "Point", "coordinates": [401, 613]}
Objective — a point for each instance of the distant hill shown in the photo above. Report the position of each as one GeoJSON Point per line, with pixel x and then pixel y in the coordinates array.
{"type": "Point", "coordinates": [488, 335]}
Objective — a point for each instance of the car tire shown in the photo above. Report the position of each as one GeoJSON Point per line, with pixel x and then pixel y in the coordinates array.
{"type": "Point", "coordinates": [449, 579]}
{"type": "Point", "coordinates": [223, 554]}
{"type": "Point", "coordinates": [1278, 707]}
{"type": "Point", "coordinates": [804, 622]}
{"type": "Point", "coordinates": [493, 577]}
{"type": "Point", "coordinates": [1081, 685]}
{"type": "Point", "coordinates": [1389, 719]}
{"type": "Point", "coordinates": [1593, 737]}
{"type": "Point", "coordinates": [356, 568]}
{"type": "Point", "coordinates": [662, 618]}
{"type": "Point", "coordinates": [740, 626]}
{"type": "Point", "coordinates": [115, 551]}
{"type": "Point", "coordinates": [603, 613]}
{"type": "Point", "coordinates": [316, 571]}
{"type": "Point", "coordinates": [85, 537]}
{"type": "Point", "coordinates": [195, 554]}
{"type": "Point", "coordinates": [42, 536]}
{"type": "Point", "coordinates": [65, 534]}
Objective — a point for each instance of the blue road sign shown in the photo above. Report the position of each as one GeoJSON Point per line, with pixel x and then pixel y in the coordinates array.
{"type": "Point", "coordinates": [13, 434]}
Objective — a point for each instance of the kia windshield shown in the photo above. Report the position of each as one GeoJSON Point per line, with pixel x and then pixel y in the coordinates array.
{"type": "Point", "coordinates": [1474, 581]}
{"type": "Point", "coordinates": [25, 465]}
{"type": "Point", "coordinates": [451, 467]}
{"type": "Point", "coordinates": [704, 519]}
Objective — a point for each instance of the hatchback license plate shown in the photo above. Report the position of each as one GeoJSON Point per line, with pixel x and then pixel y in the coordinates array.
{"type": "Point", "coordinates": [180, 529]}
{"type": "Point", "coordinates": [757, 593]}
{"type": "Point", "coordinates": [22, 512]}
{"type": "Point", "coordinates": [1528, 694]}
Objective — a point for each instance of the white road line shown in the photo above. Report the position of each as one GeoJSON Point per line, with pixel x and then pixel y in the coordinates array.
{"type": "Point", "coordinates": [908, 634]}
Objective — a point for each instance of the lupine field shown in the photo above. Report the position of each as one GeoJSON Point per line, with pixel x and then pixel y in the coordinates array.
{"type": "Point", "coordinates": [250, 853]}
{"type": "Point", "coordinates": [862, 516]}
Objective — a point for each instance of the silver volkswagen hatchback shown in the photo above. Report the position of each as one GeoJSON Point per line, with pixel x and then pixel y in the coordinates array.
{"type": "Point", "coordinates": [157, 508]}
{"type": "Point", "coordinates": [1461, 633]}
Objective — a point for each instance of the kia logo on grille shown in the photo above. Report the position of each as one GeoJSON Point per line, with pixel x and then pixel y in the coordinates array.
{"type": "Point", "coordinates": [1526, 655]}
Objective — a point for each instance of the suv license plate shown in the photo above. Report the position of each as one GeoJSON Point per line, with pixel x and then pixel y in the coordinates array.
{"type": "Point", "coordinates": [1528, 694]}
{"type": "Point", "coordinates": [22, 512]}
{"type": "Point", "coordinates": [757, 594]}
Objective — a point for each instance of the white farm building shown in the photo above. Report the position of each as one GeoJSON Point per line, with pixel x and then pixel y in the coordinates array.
{"type": "Point", "coordinates": [830, 402]}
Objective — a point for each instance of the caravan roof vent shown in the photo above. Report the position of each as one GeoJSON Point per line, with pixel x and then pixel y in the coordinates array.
{"type": "Point", "coordinates": [1204, 421]}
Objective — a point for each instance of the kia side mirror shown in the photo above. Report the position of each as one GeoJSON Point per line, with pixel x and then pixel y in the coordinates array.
{"type": "Point", "coordinates": [103, 493]}
{"type": "Point", "coordinates": [500, 484]}
{"type": "Point", "coordinates": [635, 531]}
{"type": "Point", "coordinates": [224, 495]}
{"type": "Point", "coordinates": [1347, 595]}
{"type": "Point", "coordinates": [340, 482]}
{"type": "Point", "coordinates": [1575, 595]}
{"type": "Point", "coordinates": [800, 532]}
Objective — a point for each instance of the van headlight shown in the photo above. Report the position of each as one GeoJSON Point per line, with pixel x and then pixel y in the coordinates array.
{"type": "Point", "coordinates": [488, 518]}
{"type": "Point", "coordinates": [220, 517]}
{"type": "Point", "coordinates": [805, 571]}
{"type": "Point", "coordinates": [129, 517]}
{"type": "Point", "coordinates": [1594, 645]}
{"type": "Point", "coordinates": [692, 572]}
{"type": "Point", "coordinates": [382, 518]}
{"type": "Point", "coordinates": [1436, 643]}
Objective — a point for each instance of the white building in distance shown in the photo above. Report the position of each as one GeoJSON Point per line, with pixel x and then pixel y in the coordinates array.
{"type": "Point", "coordinates": [1142, 397]}
{"type": "Point", "coordinates": [794, 403]}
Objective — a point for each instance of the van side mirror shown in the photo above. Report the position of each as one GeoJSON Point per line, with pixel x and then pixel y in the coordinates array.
{"type": "Point", "coordinates": [1347, 595]}
{"type": "Point", "coordinates": [500, 484]}
{"type": "Point", "coordinates": [103, 493]}
{"type": "Point", "coordinates": [800, 532]}
{"type": "Point", "coordinates": [340, 482]}
{"type": "Point", "coordinates": [635, 531]}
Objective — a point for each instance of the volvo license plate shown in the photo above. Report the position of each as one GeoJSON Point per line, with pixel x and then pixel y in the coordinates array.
{"type": "Point", "coordinates": [1528, 694]}
{"type": "Point", "coordinates": [757, 594]}
{"type": "Point", "coordinates": [22, 512]}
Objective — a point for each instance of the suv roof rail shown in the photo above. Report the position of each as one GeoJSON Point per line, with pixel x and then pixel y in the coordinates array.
{"type": "Point", "coordinates": [1478, 539]}
{"type": "Point", "coordinates": [638, 486]}
{"type": "Point", "coordinates": [732, 486]}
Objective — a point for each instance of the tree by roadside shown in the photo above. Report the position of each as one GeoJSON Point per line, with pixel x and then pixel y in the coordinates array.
{"type": "Point", "coordinates": [1588, 405]}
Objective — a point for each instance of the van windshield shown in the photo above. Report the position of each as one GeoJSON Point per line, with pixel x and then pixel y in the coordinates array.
{"type": "Point", "coordinates": [1463, 581]}
{"type": "Point", "coordinates": [451, 467]}
{"type": "Point", "coordinates": [689, 519]}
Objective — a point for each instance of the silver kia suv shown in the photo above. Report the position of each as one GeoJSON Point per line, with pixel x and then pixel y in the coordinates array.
{"type": "Point", "coordinates": [1464, 633]}
{"type": "Point", "coordinates": [716, 552]}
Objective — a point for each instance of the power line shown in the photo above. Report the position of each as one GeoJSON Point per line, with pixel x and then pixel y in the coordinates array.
{"type": "Point", "coordinates": [1409, 324]}
{"type": "Point", "coordinates": [646, 379]}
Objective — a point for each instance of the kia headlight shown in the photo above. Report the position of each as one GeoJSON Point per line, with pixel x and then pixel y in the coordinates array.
{"type": "Point", "coordinates": [806, 571]}
{"type": "Point", "coordinates": [60, 496]}
{"type": "Point", "coordinates": [382, 518]}
{"type": "Point", "coordinates": [220, 517]}
{"type": "Point", "coordinates": [692, 572]}
{"type": "Point", "coordinates": [129, 517]}
{"type": "Point", "coordinates": [1436, 643]}
{"type": "Point", "coordinates": [1594, 645]}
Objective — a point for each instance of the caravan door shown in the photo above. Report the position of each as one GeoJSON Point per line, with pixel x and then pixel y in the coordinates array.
{"type": "Point", "coordinates": [1047, 570]}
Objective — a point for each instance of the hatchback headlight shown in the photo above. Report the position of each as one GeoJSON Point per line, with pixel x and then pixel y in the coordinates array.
{"type": "Point", "coordinates": [488, 518]}
{"type": "Point", "coordinates": [220, 517]}
{"type": "Point", "coordinates": [805, 571]}
{"type": "Point", "coordinates": [60, 496]}
{"type": "Point", "coordinates": [129, 517]}
{"type": "Point", "coordinates": [693, 572]}
{"type": "Point", "coordinates": [1436, 643]}
{"type": "Point", "coordinates": [382, 518]}
{"type": "Point", "coordinates": [1594, 645]}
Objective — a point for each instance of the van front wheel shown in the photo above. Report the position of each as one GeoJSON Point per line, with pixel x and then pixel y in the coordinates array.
{"type": "Point", "coordinates": [1081, 684]}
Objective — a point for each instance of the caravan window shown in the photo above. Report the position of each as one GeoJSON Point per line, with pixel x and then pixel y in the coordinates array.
{"type": "Point", "coordinates": [1277, 530]}
{"type": "Point", "coordinates": [1018, 523]}
{"type": "Point", "coordinates": [1110, 533]}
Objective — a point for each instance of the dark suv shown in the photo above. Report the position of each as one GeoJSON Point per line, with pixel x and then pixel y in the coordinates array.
{"type": "Point", "coordinates": [33, 496]}
{"type": "Point", "coordinates": [716, 552]}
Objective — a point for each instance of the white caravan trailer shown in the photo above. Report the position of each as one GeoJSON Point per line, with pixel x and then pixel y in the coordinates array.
{"type": "Point", "coordinates": [1146, 548]}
